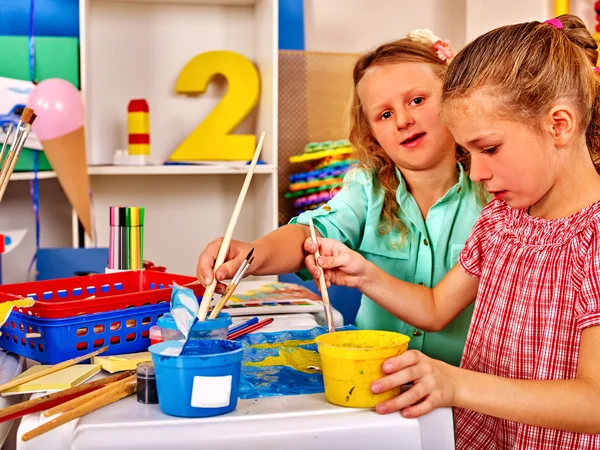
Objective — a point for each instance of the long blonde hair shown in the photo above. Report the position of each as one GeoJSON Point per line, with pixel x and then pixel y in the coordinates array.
{"type": "Point", "coordinates": [528, 67]}
{"type": "Point", "coordinates": [369, 153]}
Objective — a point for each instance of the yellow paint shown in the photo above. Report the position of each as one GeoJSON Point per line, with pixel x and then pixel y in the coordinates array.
{"type": "Point", "coordinates": [352, 360]}
{"type": "Point", "coordinates": [297, 358]}
{"type": "Point", "coordinates": [138, 123]}
{"type": "Point", "coordinates": [295, 343]}
{"type": "Point", "coordinates": [212, 140]}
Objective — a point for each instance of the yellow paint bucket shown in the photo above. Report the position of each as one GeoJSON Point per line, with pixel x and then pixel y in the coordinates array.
{"type": "Point", "coordinates": [352, 360]}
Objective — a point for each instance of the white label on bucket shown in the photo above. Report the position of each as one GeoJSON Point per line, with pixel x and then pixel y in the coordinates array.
{"type": "Point", "coordinates": [211, 392]}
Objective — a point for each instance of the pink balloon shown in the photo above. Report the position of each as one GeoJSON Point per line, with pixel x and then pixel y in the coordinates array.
{"type": "Point", "coordinates": [58, 106]}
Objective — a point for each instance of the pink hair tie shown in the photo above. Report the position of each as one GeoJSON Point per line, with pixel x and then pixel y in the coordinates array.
{"type": "Point", "coordinates": [555, 23]}
{"type": "Point", "coordinates": [596, 69]}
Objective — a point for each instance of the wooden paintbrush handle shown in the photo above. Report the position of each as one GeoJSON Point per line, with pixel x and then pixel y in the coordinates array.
{"type": "Point", "coordinates": [52, 369]}
{"type": "Point", "coordinates": [222, 301]}
{"type": "Point", "coordinates": [83, 388]}
{"type": "Point", "coordinates": [117, 393]}
{"type": "Point", "coordinates": [210, 289]}
{"type": "Point", "coordinates": [71, 404]}
{"type": "Point", "coordinates": [322, 282]}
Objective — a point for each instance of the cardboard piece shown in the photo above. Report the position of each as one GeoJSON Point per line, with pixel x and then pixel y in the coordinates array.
{"type": "Point", "coordinates": [63, 379]}
{"type": "Point", "coordinates": [55, 57]}
{"type": "Point", "coordinates": [119, 363]}
{"type": "Point", "coordinates": [67, 156]}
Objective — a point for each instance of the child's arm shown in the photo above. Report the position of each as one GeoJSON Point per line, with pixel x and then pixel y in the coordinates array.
{"type": "Point", "coordinates": [278, 252]}
{"type": "Point", "coordinates": [422, 307]}
{"type": "Point", "coordinates": [572, 405]}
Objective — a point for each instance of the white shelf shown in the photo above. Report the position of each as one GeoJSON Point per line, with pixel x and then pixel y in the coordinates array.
{"type": "Point", "coordinates": [154, 170]}
{"type": "Point", "coordinates": [23, 176]}
{"type": "Point", "coordinates": [179, 170]}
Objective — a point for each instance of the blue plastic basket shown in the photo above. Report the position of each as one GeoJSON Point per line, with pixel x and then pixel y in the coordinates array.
{"type": "Point", "coordinates": [123, 331]}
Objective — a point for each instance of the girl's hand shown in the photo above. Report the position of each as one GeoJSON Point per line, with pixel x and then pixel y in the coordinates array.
{"type": "Point", "coordinates": [341, 265]}
{"type": "Point", "coordinates": [236, 255]}
{"type": "Point", "coordinates": [434, 384]}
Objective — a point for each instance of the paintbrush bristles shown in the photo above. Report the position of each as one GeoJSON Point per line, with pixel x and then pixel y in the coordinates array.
{"type": "Point", "coordinates": [28, 116]}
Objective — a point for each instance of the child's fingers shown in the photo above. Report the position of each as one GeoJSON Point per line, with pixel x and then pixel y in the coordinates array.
{"type": "Point", "coordinates": [333, 261]}
{"type": "Point", "coordinates": [206, 262]}
{"type": "Point", "coordinates": [404, 400]}
{"type": "Point", "coordinates": [227, 270]}
{"type": "Point", "coordinates": [406, 359]}
{"type": "Point", "coordinates": [395, 380]}
{"type": "Point", "coordinates": [426, 406]}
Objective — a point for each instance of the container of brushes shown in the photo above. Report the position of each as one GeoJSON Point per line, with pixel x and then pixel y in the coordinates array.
{"type": "Point", "coordinates": [206, 329]}
{"type": "Point", "coordinates": [203, 381]}
{"type": "Point", "coordinates": [352, 360]}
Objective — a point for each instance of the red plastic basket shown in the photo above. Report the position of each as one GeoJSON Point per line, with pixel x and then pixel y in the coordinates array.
{"type": "Point", "coordinates": [68, 297]}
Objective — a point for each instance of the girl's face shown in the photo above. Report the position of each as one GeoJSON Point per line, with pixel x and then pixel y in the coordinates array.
{"type": "Point", "coordinates": [402, 104]}
{"type": "Point", "coordinates": [514, 162]}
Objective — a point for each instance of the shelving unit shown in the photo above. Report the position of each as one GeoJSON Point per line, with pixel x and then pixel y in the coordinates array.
{"type": "Point", "coordinates": [146, 44]}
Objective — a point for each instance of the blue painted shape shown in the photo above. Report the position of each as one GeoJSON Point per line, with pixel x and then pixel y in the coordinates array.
{"type": "Point", "coordinates": [7, 240]}
{"type": "Point", "coordinates": [52, 18]}
{"type": "Point", "coordinates": [91, 289]}
{"type": "Point", "coordinates": [47, 295]}
{"type": "Point", "coordinates": [77, 292]}
{"type": "Point", "coordinates": [105, 288]}
{"type": "Point", "coordinates": [291, 25]}
{"type": "Point", "coordinates": [62, 293]}
{"type": "Point", "coordinates": [55, 263]}
{"type": "Point", "coordinates": [118, 286]}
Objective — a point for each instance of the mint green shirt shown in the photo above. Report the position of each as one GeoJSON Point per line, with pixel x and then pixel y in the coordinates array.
{"type": "Point", "coordinates": [430, 250]}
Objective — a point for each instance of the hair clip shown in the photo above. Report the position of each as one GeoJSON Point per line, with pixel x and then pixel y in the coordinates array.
{"type": "Point", "coordinates": [426, 36]}
{"type": "Point", "coordinates": [555, 23]}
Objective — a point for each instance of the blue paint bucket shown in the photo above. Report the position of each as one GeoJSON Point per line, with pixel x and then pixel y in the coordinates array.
{"type": "Point", "coordinates": [206, 329]}
{"type": "Point", "coordinates": [203, 381]}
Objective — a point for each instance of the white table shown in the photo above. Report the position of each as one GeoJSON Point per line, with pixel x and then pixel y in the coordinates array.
{"type": "Point", "coordinates": [280, 423]}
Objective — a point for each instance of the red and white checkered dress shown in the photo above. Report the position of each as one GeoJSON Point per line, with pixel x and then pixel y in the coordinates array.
{"type": "Point", "coordinates": [539, 287]}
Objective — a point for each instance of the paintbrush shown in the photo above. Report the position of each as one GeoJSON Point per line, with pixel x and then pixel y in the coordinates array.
{"type": "Point", "coordinates": [6, 138]}
{"type": "Point", "coordinates": [322, 283]}
{"type": "Point", "coordinates": [234, 283]}
{"type": "Point", "coordinates": [21, 134]}
{"type": "Point", "coordinates": [210, 289]}
{"type": "Point", "coordinates": [250, 329]}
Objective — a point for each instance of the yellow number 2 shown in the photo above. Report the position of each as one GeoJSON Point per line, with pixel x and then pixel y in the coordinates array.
{"type": "Point", "coordinates": [211, 139]}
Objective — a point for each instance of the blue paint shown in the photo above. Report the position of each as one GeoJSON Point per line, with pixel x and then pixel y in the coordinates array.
{"type": "Point", "coordinates": [270, 381]}
{"type": "Point", "coordinates": [62, 293]}
{"type": "Point", "coordinates": [77, 291]}
{"type": "Point", "coordinates": [175, 374]}
{"type": "Point", "coordinates": [291, 24]}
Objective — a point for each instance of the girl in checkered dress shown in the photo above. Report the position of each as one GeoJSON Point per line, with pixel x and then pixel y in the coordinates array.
{"type": "Point", "coordinates": [524, 101]}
